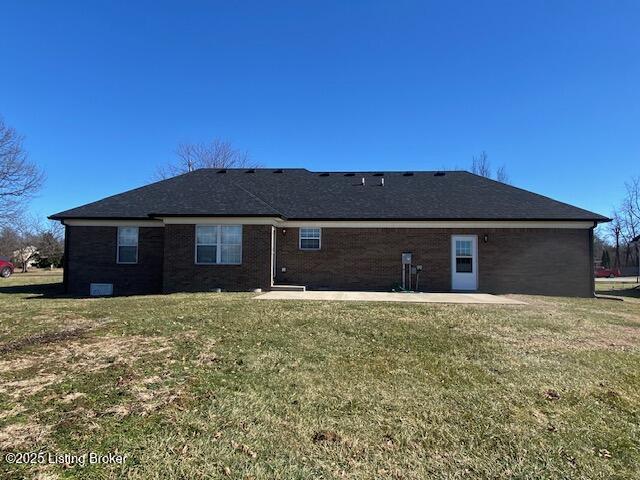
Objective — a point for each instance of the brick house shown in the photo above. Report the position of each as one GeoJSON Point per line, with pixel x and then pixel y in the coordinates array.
{"type": "Point", "coordinates": [242, 229]}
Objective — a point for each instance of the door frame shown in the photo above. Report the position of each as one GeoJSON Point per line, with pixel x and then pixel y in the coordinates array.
{"type": "Point", "coordinates": [273, 255]}
{"type": "Point", "coordinates": [474, 260]}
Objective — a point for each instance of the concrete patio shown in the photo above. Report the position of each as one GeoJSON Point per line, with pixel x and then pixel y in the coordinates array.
{"type": "Point", "coordinates": [462, 298]}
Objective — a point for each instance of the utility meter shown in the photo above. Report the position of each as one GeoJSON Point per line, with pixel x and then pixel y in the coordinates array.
{"type": "Point", "coordinates": [406, 258]}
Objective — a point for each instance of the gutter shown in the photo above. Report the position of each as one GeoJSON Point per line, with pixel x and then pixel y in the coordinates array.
{"type": "Point", "coordinates": [334, 219]}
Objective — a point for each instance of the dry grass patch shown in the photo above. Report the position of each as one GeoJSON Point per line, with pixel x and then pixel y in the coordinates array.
{"type": "Point", "coordinates": [559, 324]}
{"type": "Point", "coordinates": [51, 364]}
{"type": "Point", "coordinates": [147, 397]}
{"type": "Point", "coordinates": [29, 386]}
{"type": "Point", "coordinates": [23, 435]}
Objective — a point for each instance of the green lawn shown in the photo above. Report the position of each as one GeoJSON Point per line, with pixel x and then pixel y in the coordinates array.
{"type": "Point", "coordinates": [218, 385]}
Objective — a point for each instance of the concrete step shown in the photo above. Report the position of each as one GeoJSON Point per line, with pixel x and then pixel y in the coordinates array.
{"type": "Point", "coordinates": [288, 288]}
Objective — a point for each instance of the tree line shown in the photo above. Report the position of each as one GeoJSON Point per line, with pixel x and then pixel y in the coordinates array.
{"type": "Point", "coordinates": [613, 244]}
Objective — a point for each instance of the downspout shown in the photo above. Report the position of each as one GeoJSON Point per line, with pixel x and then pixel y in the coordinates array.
{"type": "Point", "coordinates": [591, 259]}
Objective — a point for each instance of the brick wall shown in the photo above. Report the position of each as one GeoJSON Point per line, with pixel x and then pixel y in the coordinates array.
{"type": "Point", "coordinates": [181, 274]}
{"type": "Point", "coordinates": [536, 261]}
{"type": "Point", "coordinates": [91, 258]}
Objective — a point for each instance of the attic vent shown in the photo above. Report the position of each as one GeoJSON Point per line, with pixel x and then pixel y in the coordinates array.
{"type": "Point", "coordinates": [222, 171]}
{"type": "Point", "coordinates": [349, 174]}
{"type": "Point", "coordinates": [278, 171]}
{"type": "Point", "coordinates": [439, 174]}
{"type": "Point", "coordinates": [379, 174]}
{"type": "Point", "coordinates": [250, 171]}
{"type": "Point", "coordinates": [407, 174]}
{"type": "Point", "coordinates": [324, 174]}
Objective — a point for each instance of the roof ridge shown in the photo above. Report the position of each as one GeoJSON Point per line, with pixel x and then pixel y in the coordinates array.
{"type": "Point", "coordinates": [301, 169]}
{"type": "Point", "coordinates": [259, 199]}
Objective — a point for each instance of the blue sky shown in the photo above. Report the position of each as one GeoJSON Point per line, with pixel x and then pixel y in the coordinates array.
{"type": "Point", "coordinates": [104, 91]}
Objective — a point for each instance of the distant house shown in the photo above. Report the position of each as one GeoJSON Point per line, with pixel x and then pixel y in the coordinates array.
{"type": "Point", "coordinates": [27, 255]}
{"type": "Point", "coordinates": [241, 229]}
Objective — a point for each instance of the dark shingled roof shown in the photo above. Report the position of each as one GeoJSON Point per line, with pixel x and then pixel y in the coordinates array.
{"type": "Point", "coordinates": [301, 194]}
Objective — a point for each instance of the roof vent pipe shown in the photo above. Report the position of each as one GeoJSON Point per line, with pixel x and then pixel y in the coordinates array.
{"type": "Point", "coordinates": [362, 181]}
{"type": "Point", "coordinates": [382, 182]}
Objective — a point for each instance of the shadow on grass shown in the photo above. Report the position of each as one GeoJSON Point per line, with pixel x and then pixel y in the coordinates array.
{"type": "Point", "coordinates": [36, 290]}
{"type": "Point", "coordinates": [54, 290]}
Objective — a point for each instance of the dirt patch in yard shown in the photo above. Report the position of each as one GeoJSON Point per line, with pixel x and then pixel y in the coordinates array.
{"type": "Point", "coordinates": [74, 328]}
{"type": "Point", "coordinates": [52, 364]}
{"type": "Point", "coordinates": [42, 338]}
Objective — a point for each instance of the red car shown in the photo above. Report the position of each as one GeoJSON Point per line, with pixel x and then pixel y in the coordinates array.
{"type": "Point", "coordinates": [6, 268]}
{"type": "Point", "coordinates": [607, 272]}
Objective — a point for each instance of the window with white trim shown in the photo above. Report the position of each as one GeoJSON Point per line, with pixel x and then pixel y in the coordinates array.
{"type": "Point", "coordinates": [219, 244]}
{"type": "Point", "coordinates": [127, 245]}
{"type": "Point", "coordinates": [464, 256]}
{"type": "Point", "coordinates": [309, 239]}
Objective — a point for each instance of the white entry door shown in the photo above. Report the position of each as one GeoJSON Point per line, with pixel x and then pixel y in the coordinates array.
{"type": "Point", "coordinates": [464, 262]}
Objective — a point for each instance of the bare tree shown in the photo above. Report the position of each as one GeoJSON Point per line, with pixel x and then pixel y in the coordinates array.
{"type": "Point", "coordinates": [9, 241]}
{"type": "Point", "coordinates": [625, 225]}
{"type": "Point", "coordinates": [502, 175]}
{"type": "Point", "coordinates": [615, 230]}
{"type": "Point", "coordinates": [26, 252]}
{"type": "Point", "coordinates": [49, 242]}
{"type": "Point", "coordinates": [216, 154]}
{"type": "Point", "coordinates": [481, 166]}
{"type": "Point", "coordinates": [20, 179]}
{"type": "Point", "coordinates": [630, 229]}
{"type": "Point", "coordinates": [631, 203]}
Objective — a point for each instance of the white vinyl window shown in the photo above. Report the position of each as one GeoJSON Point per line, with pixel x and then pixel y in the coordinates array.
{"type": "Point", "coordinates": [219, 244]}
{"type": "Point", "coordinates": [464, 256]}
{"type": "Point", "coordinates": [310, 239]}
{"type": "Point", "coordinates": [127, 245]}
